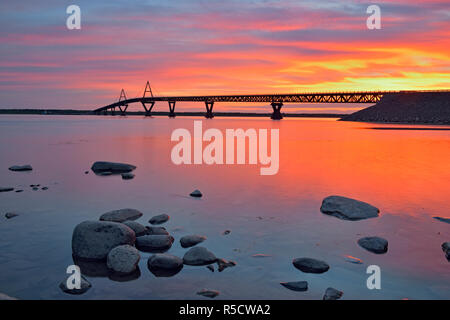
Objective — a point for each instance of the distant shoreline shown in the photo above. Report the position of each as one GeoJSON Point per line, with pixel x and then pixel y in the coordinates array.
{"type": "Point", "coordinates": [162, 113]}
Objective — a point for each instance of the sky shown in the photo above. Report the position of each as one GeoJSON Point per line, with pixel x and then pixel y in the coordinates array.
{"type": "Point", "coordinates": [203, 47]}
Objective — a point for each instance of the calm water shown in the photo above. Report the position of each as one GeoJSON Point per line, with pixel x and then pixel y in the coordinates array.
{"type": "Point", "coordinates": [406, 173]}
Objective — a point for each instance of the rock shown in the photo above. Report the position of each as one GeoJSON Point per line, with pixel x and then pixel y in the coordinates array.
{"type": "Point", "coordinates": [226, 232]}
{"type": "Point", "coordinates": [86, 172]}
{"type": "Point", "coordinates": [154, 243]}
{"type": "Point", "coordinates": [113, 167]}
{"type": "Point", "coordinates": [348, 209]}
{"type": "Point", "coordinates": [164, 265]}
{"type": "Point", "coordinates": [332, 294]}
{"type": "Point", "coordinates": [196, 194]}
{"type": "Point", "coordinates": [6, 297]}
{"type": "Point", "coordinates": [210, 267]}
{"type": "Point", "coordinates": [93, 240]}
{"type": "Point", "coordinates": [6, 189]}
{"type": "Point", "coordinates": [127, 176]}
{"type": "Point", "coordinates": [199, 256]}
{"type": "Point", "coordinates": [44, 188]}
{"type": "Point", "coordinates": [296, 286]}
{"type": "Point", "coordinates": [208, 293]}
{"type": "Point", "coordinates": [35, 188]}
{"type": "Point", "coordinates": [223, 264]}
{"type": "Point", "coordinates": [138, 228]}
{"type": "Point", "coordinates": [353, 260]}
{"type": "Point", "coordinates": [123, 259]}
{"type": "Point", "coordinates": [157, 231]}
{"type": "Point", "coordinates": [446, 220]}
{"type": "Point", "coordinates": [84, 286]}
{"type": "Point", "coordinates": [121, 215]}
{"type": "Point", "coordinates": [10, 215]}
{"type": "Point", "coordinates": [26, 167]}
{"type": "Point", "coordinates": [159, 219]}
{"type": "Point", "coordinates": [18, 191]}
{"type": "Point", "coordinates": [105, 173]}
{"type": "Point", "coordinates": [374, 244]}
{"type": "Point", "coordinates": [310, 265]}
{"type": "Point", "coordinates": [191, 240]}
{"type": "Point", "coordinates": [446, 249]}
{"type": "Point", "coordinates": [261, 255]}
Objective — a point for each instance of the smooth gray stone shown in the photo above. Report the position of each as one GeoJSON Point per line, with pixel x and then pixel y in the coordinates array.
{"type": "Point", "coordinates": [127, 176]}
{"type": "Point", "coordinates": [121, 215]}
{"type": "Point", "coordinates": [199, 256]}
{"type": "Point", "coordinates": [164, 265]}
{"type": "Point", "coordinates": [222, 264]}
{"type": "Point", "coordinates": [114, 167]}
{"type": "Point", "coordinates": [446, 220]}
{"type": "Point", "coordinates": [348, 209]}
{"type": "Point", "coordinates": [6, 189]}
{"type": "Point", "coordinates": [123, 259]}
{"type": "Point", "coordinates": [154, 243]}
{"type": "Point", "coordinates": [196, 194]}
{"type": "Point", "coordinates": [191, 240]}
{"type": "Point", "coordinates": [296, 286]}
{"type": "Point", "coordinates": [332, 294]}
{"type": "Point", "coordinates": [309, 265]}
{"type": "Point", "coordinates": [84, 286]}
{"type": "Point", "coordinates": [10, 215]}
{"type": "Point", "coordinates": [93, 240]}
{"type": "Point", "coordinates": [138, 228]}
{"type": "Point", "coordinates": [157, 231]}
{"type": "Point", "coordinates": [208, 293]}
{"type": "Point", "coordinates": [26, 167]}
{"type": "Point", "coordinates": [159, 219]}
{"type": "Point", "coordinates": [374, 244]}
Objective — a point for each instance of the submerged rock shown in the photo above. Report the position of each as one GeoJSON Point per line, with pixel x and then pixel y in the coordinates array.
{"type": "Point", "coordinates": [374, 244]}
{"type": "Point", "coordinates": [208, 293]}
{"type": "Point", "coordinates": [164, 265]}
{"type": "Point", "coordinates": [10, 215]}
{"type": "Point", "coordinates": [191, 240]}
{"type": "Point", "coordinates": [154, 243]}
{"type": "Point", "coordinates": [6, 189]}
{"type": "Point", "coordinates": [309, 265]}
{"type": "Point", "coordinates": [199, 256]}
{"type": "Point", "coordinates": [26, 167]}
{"type": "Point", "coordinates": [123, 259]}
{"type": "Point", "coordinates": [113, 167]}
{"type": "Point", "coordinates": [121, 215]}
{"type": "Point", "coordinates": [446, 220]}
{"type": "Point", "coordinates": [223, 264]}
{"type": "Point", "coordinates": [157, 231]}
{"type": "Point", "coordinates": [210, 267]}
{"type": "Point", "coordinates": [93, 240]}
{"type": "Point", "coordinates": [296, 286]}
{"type": "Point", "coordinates": [127, 176]}
{"type": "Point", "coordinates": [196, 194]}
{"type": "Point", "coordinates": [138, 228]}
{"type": "Point", "coordinates": [84, 286]}
{"type": "Point", "coordinates": [159, 219]}
{"type": "Point", "coordinates": [226, 232]}
{"type": "Point", "coordinates": [348, 209]}
{"type": "Point", "coordinates": [18, 191]}
{"type": "Point", "coordinates": [332, 294]}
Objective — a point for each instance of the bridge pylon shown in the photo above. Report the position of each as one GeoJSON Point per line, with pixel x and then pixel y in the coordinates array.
{"type": "Point", "coordinates": [209, 107]}
{"type": "Point", "coordinates": [123, 97]}
{"type": "Point", "coordinates": [148, 88]}
{"type": "Point", "coordinates": [276, 115]}
{"type": "Point", "coordinates": [172, 108]}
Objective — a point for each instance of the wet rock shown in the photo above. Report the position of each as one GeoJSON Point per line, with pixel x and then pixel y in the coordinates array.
{"type": "Point", "coordinates": [374, 244]}
{"type": "Point", "coordinates": [26, 167]}
{"type": "Point", "coordinates": [196, 194]}
{"type": "Point", "coordinates": [154, 243]}
{"type": "Point", "coordinates": [121, 215]}
{"type": "Point", "coordinates": [210, 267]}
{"type": "Point", "coordinates": [159, 219]}
{"type": "Point", "coordinates": [86, 172]}
{"type": "Point", "coordinates": [164, 265]}
{"type": "Point", "coordinates": [35, 188]}
{"type": "Point", "coordinates": [446, 249]}
{"type": "Point", "coordinates": [353, 260]}
{"type": "Point", "coordinates": [296, 286]}
{"type": "Point", "coordinates": [138, 228]}
{"type": "Point", "coordinates": [332, 294]}
{"type": "Point", "coordinates": [191, 240]}
{"type": "Point", "coordinates": [84, 286]}
{"type": "Point", "coordinates": [348, 209]}
{"type": "Point", "coordinates": [127, 176]}
{"type": "Point", "coordinates": [223, 264]}
{"type": "Point", "coordinates": [157, 231]}
{"type": "Point", "coordinates": [199, 256]}
{"type": "Point", "coordinates": [309, 265]}
{"type": "Point", "coordinates": [113, 167]}
{"type": "Point", "coordinates": [6, 189]}
{"type": "Point", "coordinates": [123, 259]}
{"type": "Point", "coordinates": [10, 215]}
{"type": "Point", "coordinates": [6, 297]}
{"type": "Point", "coordinates": [18, 191]}
{"type": "Point", "coordinates": [105, 173]}
{"type": "Point", "coordinates": [93, 240]}
{"type": "Point", "coordinates": [226, 232]}
{"type": "Point", "coordinates": [44, 188]}
{"type": "Point", "coordinates": [446, 220]}
{"type": "Point", "coordinates": [208, 293]}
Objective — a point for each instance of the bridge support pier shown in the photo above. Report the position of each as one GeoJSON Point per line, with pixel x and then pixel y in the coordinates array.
{"type": "Point", "coordinates": [172, 109]}
{"type": "Point", "coordinates": [276, 115]}
{"type": "Point", "coordinates": [148, 112]}
{"type": "Point", "coordinates": [209, 107]}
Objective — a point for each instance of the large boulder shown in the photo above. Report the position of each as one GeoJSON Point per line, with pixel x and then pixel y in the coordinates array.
{"type": "Point", "coordinates": [121, 215]}
{"type": "Point", "coordinates": [93, 240]}
{"type": "Point", "coordinates": [199, 256]}
{"type": "Point", "coordinates": [123, 259]}
{"type": "Point", "coordinates": [154, 243]}
{"type": "Point", "coordinates": [164, 265]}
{"type": "Point", "coordinates": [374, 244]}
{"type": "Point", "coordinates": [26, 167]}
{"type": "Point", "coordinates": [113, 167]}
{"type": "Point", "coordinates": [310, 265]}
{"type": "Point", "coordinates": [348, 209]}
{"type": "Point", "coordinates": [191, 240]}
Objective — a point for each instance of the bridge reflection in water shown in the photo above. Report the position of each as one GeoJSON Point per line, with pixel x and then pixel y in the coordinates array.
{"type": "Point", "coordinates": [275, 100]}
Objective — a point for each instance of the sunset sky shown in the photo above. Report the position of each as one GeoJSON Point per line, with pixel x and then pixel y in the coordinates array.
{"type": "Point", "coordinates": [190, 47]}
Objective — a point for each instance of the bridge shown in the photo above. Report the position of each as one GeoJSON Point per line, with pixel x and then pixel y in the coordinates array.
{"type": "Point", "coordinates": [275, 100]}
